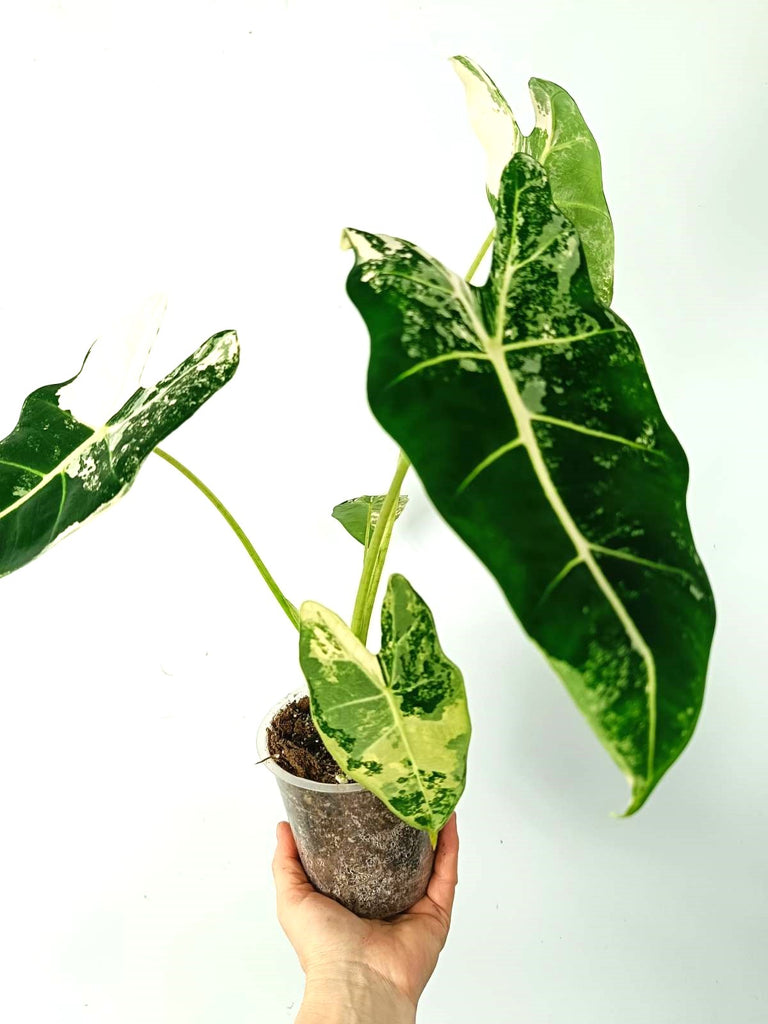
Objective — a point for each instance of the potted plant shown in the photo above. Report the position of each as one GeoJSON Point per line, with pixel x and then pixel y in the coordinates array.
{"type": "Point", "coordinates": [525, 407]}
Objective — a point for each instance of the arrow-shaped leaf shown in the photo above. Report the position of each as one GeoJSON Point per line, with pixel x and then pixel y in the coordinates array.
{"type": "Point", "coordinates": [526, 409]}
{"type": "Point", "coordinates": [565, 147]}
{"type": "Point", "coordinates": [398, 724]}
{"type": "Point", "coordinates": [71, 454]}
{"type": "Point", "coordinates": [359, 516]}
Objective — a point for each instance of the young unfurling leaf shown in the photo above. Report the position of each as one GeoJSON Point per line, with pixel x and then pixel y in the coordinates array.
{"type": "Point", "coordinates": [359, 516]}
{"type": "Point", "coordinates": [562, 144]}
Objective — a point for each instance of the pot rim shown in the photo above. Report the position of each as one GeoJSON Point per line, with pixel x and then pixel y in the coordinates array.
{"type": "Point", "coordinates": [281, 774]}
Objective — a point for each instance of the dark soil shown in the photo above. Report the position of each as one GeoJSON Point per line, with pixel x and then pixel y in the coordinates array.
{"type": "Point", "coordinates": [353, 848]}
{"type": "Point", "coordinates": [295, 744]}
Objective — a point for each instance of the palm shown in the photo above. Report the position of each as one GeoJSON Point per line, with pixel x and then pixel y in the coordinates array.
{"type": "Point", "coordinates": [403, 950]}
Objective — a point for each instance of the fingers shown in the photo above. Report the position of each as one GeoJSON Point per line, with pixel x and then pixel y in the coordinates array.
{"type": "Point", "coordinates": [442, 884]}
{"type": "Point", "coordinates": [290, 878]}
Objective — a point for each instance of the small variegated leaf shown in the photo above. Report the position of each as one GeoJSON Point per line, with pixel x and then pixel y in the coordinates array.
{"type": "Point", "coordinates": [73, 452]}
{"type": "Point", "coordinates": [359, 516]}
{"type": "Point", "coordinates": [562, 144]}
{"type": "Point", "coordinates": [526, 409]}
{"type": "Point", "coordinates": [397, 724]}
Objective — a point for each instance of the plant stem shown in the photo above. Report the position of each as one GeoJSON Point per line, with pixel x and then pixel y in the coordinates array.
{"type": "Point", "coordinates": [376, 552]}
{"type": "Point", "coordinates": [479, 258]}
{"type": "Point", "coordinates": [284, 603]}
{"type": "Point", "coordinates": [373, 562]}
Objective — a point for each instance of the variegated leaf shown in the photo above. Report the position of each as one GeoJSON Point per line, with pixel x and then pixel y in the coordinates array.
{"type": "Point", "coordinates": [527, 412]}
{"type": "Point", "coordinates": [562, 144]}
{"type": "Point", "coordinates": [359, 516]}
{"type": "Point", "coordinates": [78, 445]}
{"type": "Point", "coordinates": [398, 724]}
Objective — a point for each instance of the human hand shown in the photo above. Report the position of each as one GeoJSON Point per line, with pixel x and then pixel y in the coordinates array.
{"type": "Point", "coordinates": [353, 957]}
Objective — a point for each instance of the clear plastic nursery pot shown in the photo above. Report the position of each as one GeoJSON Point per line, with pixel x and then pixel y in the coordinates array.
{"type": "Point", "coordinates": [352, 846]}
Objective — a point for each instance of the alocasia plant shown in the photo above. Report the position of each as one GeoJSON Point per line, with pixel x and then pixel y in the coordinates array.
{"type": "Point", "coordinates": [525, 407]}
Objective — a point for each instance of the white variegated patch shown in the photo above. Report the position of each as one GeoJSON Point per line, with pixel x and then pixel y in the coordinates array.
{"type": "Point", "coordinates": [491, 118]}
{"type": "Point", "coordinates": [78, 446]}
{"type": "Point", "coordinates": [525, 409]}
{"type": "Point", "coordinates": [112, 369]}
{"type": "Point", "coordinates": [562, 143]}
{"type": "Point", "coordinates": [397, 723]}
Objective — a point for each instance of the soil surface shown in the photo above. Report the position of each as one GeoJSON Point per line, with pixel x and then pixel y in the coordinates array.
{"type": "Point", "coordinates": [295, 744]}
{"type": "Point", "coordinates": [353, 848]}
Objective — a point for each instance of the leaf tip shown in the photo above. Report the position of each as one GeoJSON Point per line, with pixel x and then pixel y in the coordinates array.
{"type": "Point", "coordinates": [232, 342]}
{"type": "Point", "coordinates": [228, 342]}
{"type": "Point", "coordinates": [463, 65]}
{"type": "Point", "coordinates": [307, 609]}
{"type": "Point", "coordinates": [466, 69]}
{"type": "Point", "coordinates": [641, 790]}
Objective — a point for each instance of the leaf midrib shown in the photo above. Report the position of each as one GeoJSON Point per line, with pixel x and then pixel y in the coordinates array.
{"type": "Point", "coordinates": [583, 548]}
{"type": "Point", "coordinates": [523, 421]}
{"type": "Point", "coordinates": [397, 718]}
{"type": "Point", "coordinates": [114, 429]}
{"type": "Point", "coordinates": [94, 438]}
{"type": "Point", "coordinates": [380, 678]}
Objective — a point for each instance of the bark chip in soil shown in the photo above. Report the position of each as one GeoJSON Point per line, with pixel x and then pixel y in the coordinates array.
{"type": "Point", "coordinates": [295, 744]}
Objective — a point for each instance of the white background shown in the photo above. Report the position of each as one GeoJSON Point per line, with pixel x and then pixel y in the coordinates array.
{"type": "Point", "coordinates": [215, 151]}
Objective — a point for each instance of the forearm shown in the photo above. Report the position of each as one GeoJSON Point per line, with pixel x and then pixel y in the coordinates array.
{"type": "Point", "coordinates": [353, 996]}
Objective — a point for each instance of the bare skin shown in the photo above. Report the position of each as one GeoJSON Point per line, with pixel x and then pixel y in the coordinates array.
{"type": "Point", "coordinates": [360, 971]}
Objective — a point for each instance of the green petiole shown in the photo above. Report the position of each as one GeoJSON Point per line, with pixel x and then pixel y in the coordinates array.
{"type": "Point", "coordinates": [282, 600]}
{"type": "Point", "coordinates": [375, 553]}
{"type": "Point", "coordinates": [376, 550]}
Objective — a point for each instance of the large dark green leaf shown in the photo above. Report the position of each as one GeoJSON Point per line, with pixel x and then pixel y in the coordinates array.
{"type": "Point", "coordinates": [359, 516]}
{"type": "Point", "coordinates": [562, 144]}
{"type": "Point", "coordinates": [526, 409]}
{"type": "Point", "coordinates": [71, 454]}
{"type": "Point", "coordinates": [398, 724]}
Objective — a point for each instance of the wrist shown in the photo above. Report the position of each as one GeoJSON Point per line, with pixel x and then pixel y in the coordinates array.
{"type": "Point", "coordinates": [353, 994]}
